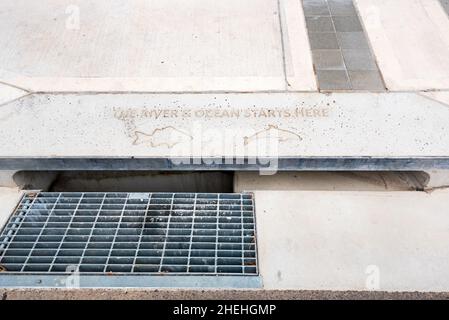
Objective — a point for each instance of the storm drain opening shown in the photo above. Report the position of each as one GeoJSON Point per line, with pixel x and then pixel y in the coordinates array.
{"type": "Point", "coordinates": [131, 233]}
{"type": "Point", "coordinates": [126, 181]}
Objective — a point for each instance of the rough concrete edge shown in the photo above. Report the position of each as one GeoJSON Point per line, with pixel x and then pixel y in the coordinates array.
{"type": "Point", "coordinates": [182, 294]}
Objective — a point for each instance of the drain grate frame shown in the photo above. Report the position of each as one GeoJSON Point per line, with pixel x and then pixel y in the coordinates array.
{"type": "Point", "coordinates": [183, 234]}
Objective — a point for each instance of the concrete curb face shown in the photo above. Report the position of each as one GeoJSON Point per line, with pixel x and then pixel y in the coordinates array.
{"type": "Point", "coordinates": [292, 125]}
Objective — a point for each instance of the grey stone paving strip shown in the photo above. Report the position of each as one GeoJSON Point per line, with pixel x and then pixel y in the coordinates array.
{"type": "Point", "coordinates": [341, 54]}
{"type": "Point", "coordinates": [445, 4]}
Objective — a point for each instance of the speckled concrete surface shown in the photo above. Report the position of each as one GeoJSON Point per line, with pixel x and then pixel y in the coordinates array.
{"type": "Point", "coordinates": [410, 42]}
{"type": "Point", "coordinates": [385, 125]}
{"type": "Point", "coordinates": [138, 294]}
{"type": "Point", "coordinates": [215, 50]}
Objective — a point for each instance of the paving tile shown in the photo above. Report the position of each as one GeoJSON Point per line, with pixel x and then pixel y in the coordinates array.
{"type": "Point", "coordinates": [342, 8]}
{"type": "Point", "coordinates": [359, 59]}
{"type": "Point", "coordinates": [328, 60]}
{"type": "Point", "coordinates": [333, 80]}
{"type": "Point", "coordinates": [352, 40]}
{"type": "Point", "coordinates": [319, 24]}
{"type": "Point", "coordinates": [347, 24]}
{"type": "Point", "coordinates": [324, 40]}
{"type": "Point", "coordinates": [316, 8]}
{"type": "Point", "coordinates": [366, 80]}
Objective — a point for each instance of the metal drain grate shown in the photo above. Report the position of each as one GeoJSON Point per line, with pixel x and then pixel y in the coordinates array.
{"type": "Point", "coordinates": [170, 233]}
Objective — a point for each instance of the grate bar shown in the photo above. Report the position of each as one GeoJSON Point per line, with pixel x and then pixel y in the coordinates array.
{"type": "Point", "coordinates": [166, 233]}
{"type": "Point", "coordinates": [139, 243]}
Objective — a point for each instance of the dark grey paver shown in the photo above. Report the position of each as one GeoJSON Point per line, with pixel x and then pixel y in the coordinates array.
{"type": "Point", "coordinates": [319, 24]}
{"type": "Point", "coordinates": [342, 8]}
{"type": "Point", "coordinates": [359, 60]}
{"type": "Point", "coordinates": [316, 7]}
{"type": "Point", "coordinates": [333, 80]}
{"type": "Point", "coordinates": [328, 60]}
{"type": "Point", "coordinates": [323, 40]}
{"type": "Point", "coordinates": [352, 40]}
{"type": "Point", "coordinates": [366, 80]}
{"type": "Point", "coordinates": [347, 24]}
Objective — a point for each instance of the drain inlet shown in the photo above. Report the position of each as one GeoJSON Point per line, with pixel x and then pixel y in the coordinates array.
{"type": "Point", "coordinates": [131, 233]}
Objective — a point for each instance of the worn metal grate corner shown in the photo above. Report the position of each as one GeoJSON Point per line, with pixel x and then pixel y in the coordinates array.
{"type": "Point", "coordinates": [131, 233]}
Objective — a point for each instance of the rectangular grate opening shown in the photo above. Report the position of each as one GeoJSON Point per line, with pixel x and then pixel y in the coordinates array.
{"type": "Point", "coordinates": [131, 233]}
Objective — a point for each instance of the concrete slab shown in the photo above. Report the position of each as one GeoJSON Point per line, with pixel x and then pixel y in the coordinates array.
{"type": "Point", "coordinates": [410, 41]}
{"type": "Point", "coordinates": [389, 241]}
{"type": "Point", "coordinates": [299, 126]}
{"type": "Point", "coordinates": [329, 181]}
{"type": "Point", "coordinates": [173, 45]}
